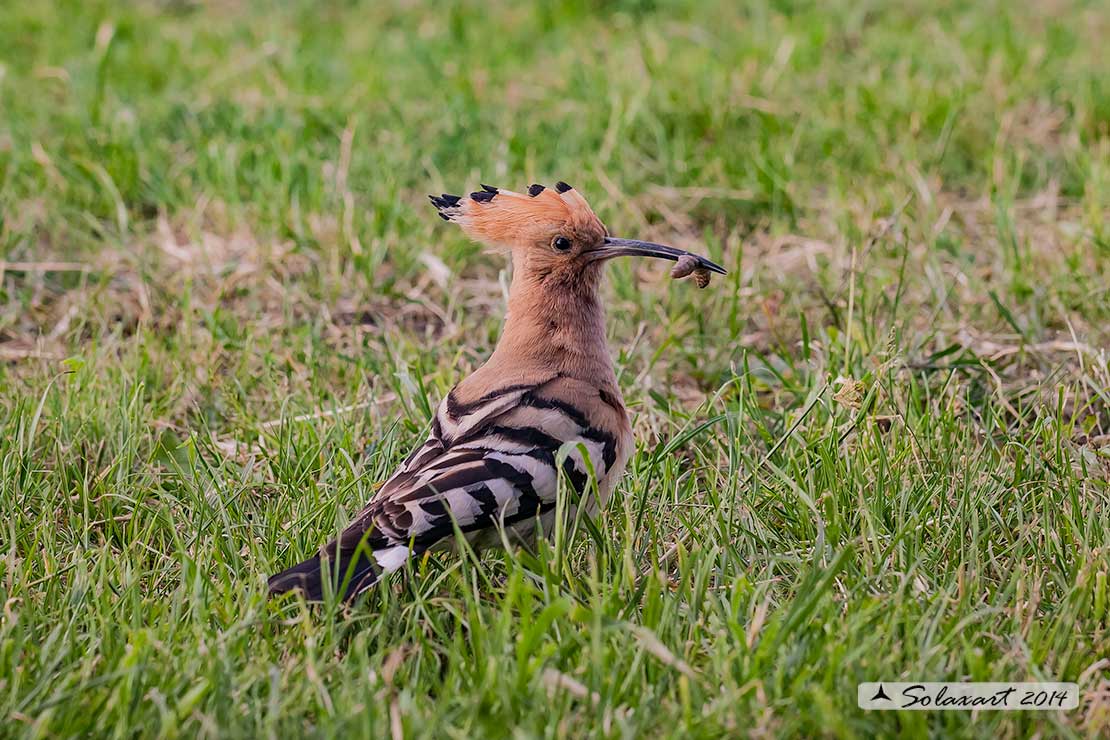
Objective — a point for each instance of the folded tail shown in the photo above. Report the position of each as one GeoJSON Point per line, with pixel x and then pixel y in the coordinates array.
{"type": "Point", "coordinates": [349, 574]}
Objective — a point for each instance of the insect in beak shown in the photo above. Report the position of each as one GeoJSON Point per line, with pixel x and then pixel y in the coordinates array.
{"type": "Point", "coordinates": [614, 247]}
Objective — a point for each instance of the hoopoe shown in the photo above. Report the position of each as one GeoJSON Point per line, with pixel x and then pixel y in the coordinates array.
{"type": "Point", "coordinates": [489, 464]}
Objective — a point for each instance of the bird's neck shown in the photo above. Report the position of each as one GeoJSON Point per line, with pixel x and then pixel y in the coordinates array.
{"type": "Point", "coordinates": [559, 325]}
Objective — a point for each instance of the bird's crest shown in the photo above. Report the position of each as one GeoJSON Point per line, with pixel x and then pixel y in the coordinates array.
{"type": "Point", "coordinates": [504, 218]}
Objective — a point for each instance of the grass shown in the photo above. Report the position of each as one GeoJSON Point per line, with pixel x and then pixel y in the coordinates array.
{"type": "Point", "coordinates": [879, 449]}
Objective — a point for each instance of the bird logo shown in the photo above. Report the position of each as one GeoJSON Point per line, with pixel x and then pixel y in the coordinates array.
{"type": "Point", "coordinates": [489, 465]}
{"type": "Point", "coordinates": [880, 694]}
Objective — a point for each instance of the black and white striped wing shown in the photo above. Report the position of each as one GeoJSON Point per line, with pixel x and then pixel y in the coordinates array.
{"type": "Point", "coordinates": [491, 463]}
{"type": "Point", "coordinates": [451, 421]}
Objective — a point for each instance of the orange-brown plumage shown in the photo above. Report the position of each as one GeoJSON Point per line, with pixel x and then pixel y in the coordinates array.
{"type": "Point", "coordinates": [507, 219]}
{"type": "Point", "coordinates": [491, 466]}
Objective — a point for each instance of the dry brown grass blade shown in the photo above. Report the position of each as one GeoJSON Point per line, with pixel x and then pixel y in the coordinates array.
{"type": "Point", "coordinates": [43, 267]}
{"type": "Point", "coordinates": [16, 353]}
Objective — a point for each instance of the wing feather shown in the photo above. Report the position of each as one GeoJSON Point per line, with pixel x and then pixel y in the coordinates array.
{"type": "Point", "coordinates": [487, 463]}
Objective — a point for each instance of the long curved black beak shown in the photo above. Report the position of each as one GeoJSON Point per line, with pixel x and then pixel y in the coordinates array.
{"type": "Point", "coordinates": [614, 247]}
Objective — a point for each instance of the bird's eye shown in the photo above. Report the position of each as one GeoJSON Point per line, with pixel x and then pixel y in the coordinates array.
{"type": "Point", "coordinates": [561, 243]}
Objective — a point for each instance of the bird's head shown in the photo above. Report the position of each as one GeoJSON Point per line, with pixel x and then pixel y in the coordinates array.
{"type": "Point", "coordinates": [555, 237]}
